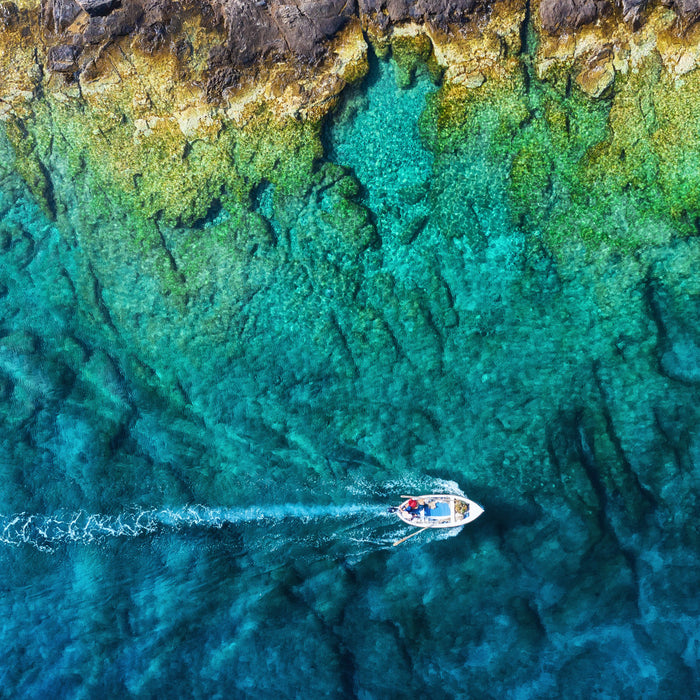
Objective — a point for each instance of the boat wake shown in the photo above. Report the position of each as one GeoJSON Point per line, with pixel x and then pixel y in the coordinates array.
{"type": "Point", "coordinates": [361, 526]}
{"type": "Point", "coordinates": [45, 531]}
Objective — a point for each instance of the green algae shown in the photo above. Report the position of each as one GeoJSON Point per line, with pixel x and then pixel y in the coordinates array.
{"type": "Point", "coordinates": [566, 161]}
{"type": "Point", "coordinates": [412, 54]}
{"type": "Point", "coordinates": [603, 172]}
{"type": "Point", "coordinates": [675, 109]}
{"type": "Point", "coordinates": [283, 153]}
{"type": "Point", "coordinates": [156, 172]}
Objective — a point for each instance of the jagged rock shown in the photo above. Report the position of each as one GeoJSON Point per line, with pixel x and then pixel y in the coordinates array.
{"type": "Point", "coordinates": [254, 28]}
{"type": "Point", "coordinates": [118, 23]}
{"type": "Point", "coordinates": [62, 58]}
{"type": "Point", "coordinates": [440, 12]}
{"type": "Point", "coordinates": [220, 79]}
{"type": "Point", "coordinates": [62, 12]}
{"type": "Point", "coordinates": [571, 14]}
{"type": "Point", "coordinates": [99, 8]}
{"type": "Point", "coordinates": [597, 76]}
{"type": "Point", "coordinates": [632, 9]}
{"type": "Point", "coordinates": [8, 14]}
{"type": "Point", "coordinates": [258, 28]}
{"type": "Point", "coordinates": [688, 10]}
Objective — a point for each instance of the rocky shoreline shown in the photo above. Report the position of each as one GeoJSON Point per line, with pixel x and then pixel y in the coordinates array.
{"type": "Point", "coordinates": [244, 32]}
{"type": "Point", "coordinates": [217, 48]}
{"type": "Point", "coordinates": [120, 81]}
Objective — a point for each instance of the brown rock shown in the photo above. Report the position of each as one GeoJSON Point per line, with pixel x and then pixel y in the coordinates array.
{"type": "Point", "coordinates": [62, 58]}
{"type": "Point", "coordinates": [688, 10]}
{"type": "Point", "coordinates": [8, 14]}
{"type": "Point", "coordinates": [261, 27]}
{"type": "Point", "coordinates": [439, 12]}
{"type": "Point", "coordinates": [596, 79]}
{"type": "Point", "coordinates": [99, 8]}
{"type": "Point", "coordinates": [556, 15]}
{"type": "Point", "coordinates": [60, 13]}
{"type": "Point", "coordinates": [632, 10]}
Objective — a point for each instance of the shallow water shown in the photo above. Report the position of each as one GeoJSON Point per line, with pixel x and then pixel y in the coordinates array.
{"type": "Point", "coordinates": [193, 497]}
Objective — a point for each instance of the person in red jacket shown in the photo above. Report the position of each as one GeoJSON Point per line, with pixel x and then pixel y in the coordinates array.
{"type": "Point", "coordinates": [411, 507]}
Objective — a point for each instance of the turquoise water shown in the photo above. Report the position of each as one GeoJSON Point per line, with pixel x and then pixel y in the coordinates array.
{"type": "Point", "coordinates": [193, 491]}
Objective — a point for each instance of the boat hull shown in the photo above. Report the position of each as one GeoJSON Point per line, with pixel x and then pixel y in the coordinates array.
{"type": "Point", "coordinates": [441, 511]}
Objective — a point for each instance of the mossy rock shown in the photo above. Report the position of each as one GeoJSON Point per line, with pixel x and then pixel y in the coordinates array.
{"type": "Point", "coordinates": [531, 182]}
{"type": "Point", "coordinates": [410, 53]}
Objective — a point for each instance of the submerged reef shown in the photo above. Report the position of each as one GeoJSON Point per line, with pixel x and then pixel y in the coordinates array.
{"type": "Point", "coordinates": [258, 249]}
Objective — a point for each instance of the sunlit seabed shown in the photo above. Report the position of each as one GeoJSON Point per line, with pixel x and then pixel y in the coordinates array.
{"type": "Point", "coordinates": [157, 551]}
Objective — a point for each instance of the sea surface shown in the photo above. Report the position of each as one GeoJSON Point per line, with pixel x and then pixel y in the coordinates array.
{"type": "Point", "coordinates": [193, 499]}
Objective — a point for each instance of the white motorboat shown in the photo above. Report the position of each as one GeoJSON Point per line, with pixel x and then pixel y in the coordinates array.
{"type": "Point", "coordinates": [438, 510]}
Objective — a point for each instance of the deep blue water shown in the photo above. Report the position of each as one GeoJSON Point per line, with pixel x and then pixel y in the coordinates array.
{"type": "Point", "coordinates": [194, 497]}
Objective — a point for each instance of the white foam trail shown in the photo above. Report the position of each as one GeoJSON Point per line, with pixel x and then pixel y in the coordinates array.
{"type": "Point", "coordinates": [46, 531]}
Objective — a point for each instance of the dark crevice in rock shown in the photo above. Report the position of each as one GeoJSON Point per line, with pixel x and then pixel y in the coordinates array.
{"type": "Point", "coordinates": [185, 396]}
{"type": "Point", "coordinates": [671, 444]}
{"type": "Point", "coordinates": [71, 285]}
{"type": "Point", "coordinates": [677, 352]}
{"type": "Point", "coordinates": [346, 659]}
{"type": "Point", "coordinates": [552, 453]}
{"type": "Point", "coordinates": [525, 28]}
{"type": "Point", "coordinates": [168, 254]}
{"type": "Point", "coordinates": [437, 333]}
{"type": "Point", "coordinates": [181, 478]}
{"type": "Point", "coordinates": [99, 302]}
{"type": "Point", "coordinates": [345, 344]}
{"type": "Point", "coordinates": [449, 294]}
{"type": "Point", "coordinates": [262, 200]}
{"type": "Point", "coordinates": [351, 457]}
{"type": "Point", "coordinates": [215, 210]}
{"type": "Point", "coordinates": [348, 668]}
{"type": "Point", "coordinates": [588, 462]}
{"type": "Point", "coordinates": [121, 440]}
{"type": "Point", "coordinates": [400, 355]}
{"type": "Point", "coordinates": [567, 95]}
{"type": "Point", "coordinates": [48, 194]}
{"type": "Point", "coordinates": [179, 277]}
{"type": "Point", "coordinates": [413, 229]}
{"type": "Point", "coordinates": [649, 295]}
{"type": "Point", "coordinates": [526, 46]}
{"type": "Point", "coordinates": [647, 495]}
{"type": "Point", "coordinates": [404, 648]}
{"type": "Point", "coordinates": [83, 345]}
